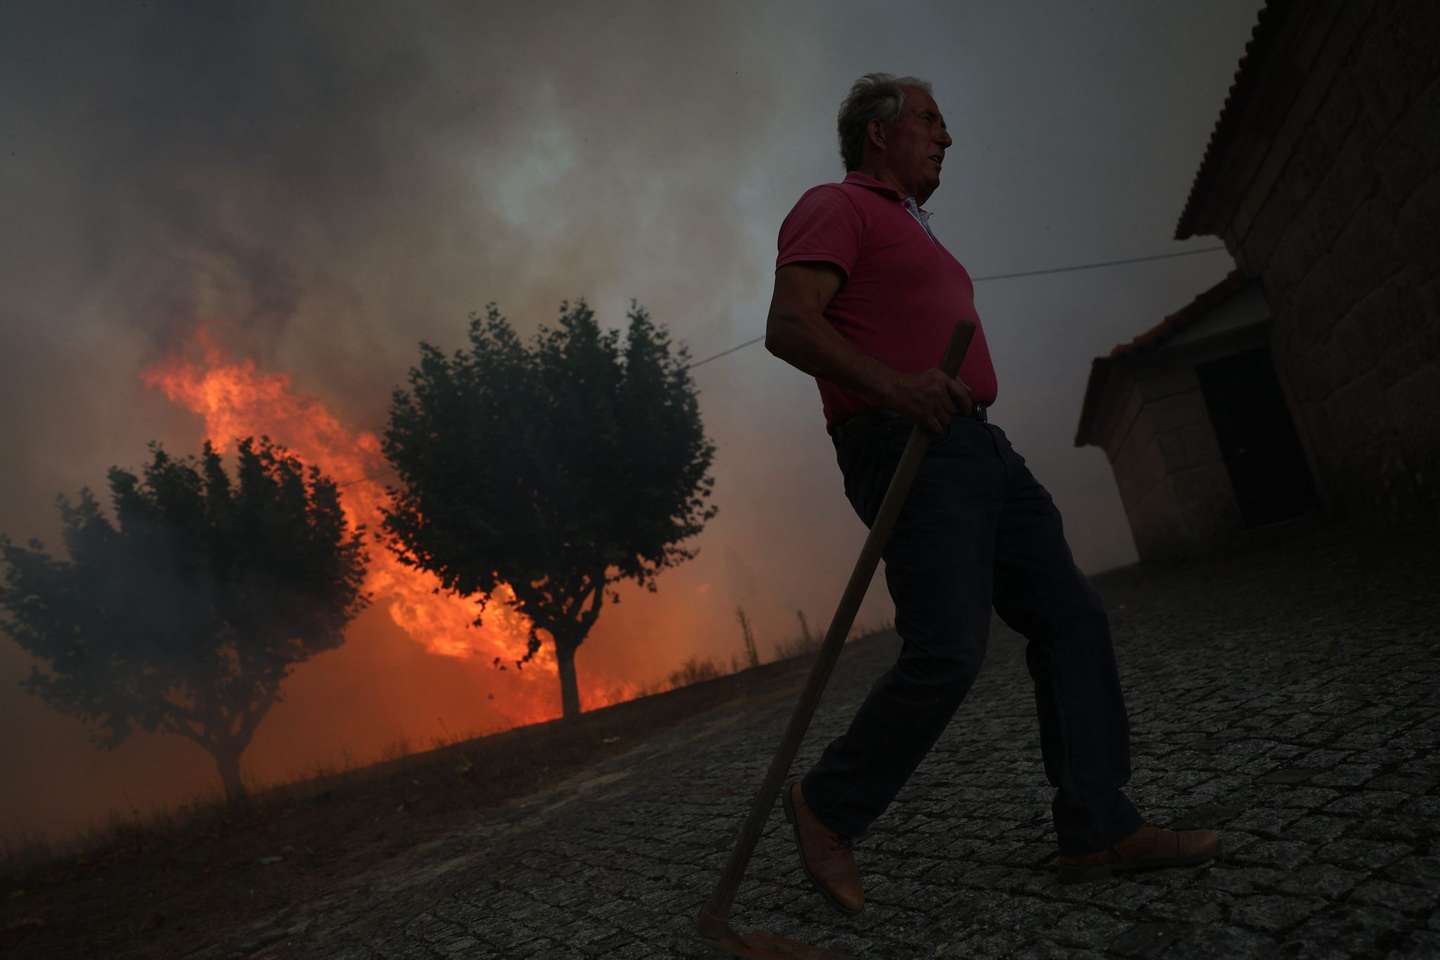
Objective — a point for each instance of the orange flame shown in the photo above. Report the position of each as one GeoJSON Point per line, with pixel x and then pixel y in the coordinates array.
{"type": "Point", "coordinates": [237, 400]}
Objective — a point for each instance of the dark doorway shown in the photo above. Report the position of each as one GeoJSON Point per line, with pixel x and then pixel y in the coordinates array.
{"type": "Point", "coordinates": [1257, 437]}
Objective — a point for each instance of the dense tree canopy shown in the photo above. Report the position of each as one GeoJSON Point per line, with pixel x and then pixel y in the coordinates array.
{"type": "Point", "coordinates": [560, 468]}
{"type": "Point", "coordinates": [185, 615]}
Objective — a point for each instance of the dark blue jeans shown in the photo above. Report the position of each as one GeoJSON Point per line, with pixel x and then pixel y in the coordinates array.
{"type": "Point", "coordinates": [977, 529]}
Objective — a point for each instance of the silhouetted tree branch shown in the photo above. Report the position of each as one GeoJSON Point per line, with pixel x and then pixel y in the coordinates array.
{"type": "Point", "coordinates": [559, 469]}
{"type": "Point", "coordinates": [186, 614]}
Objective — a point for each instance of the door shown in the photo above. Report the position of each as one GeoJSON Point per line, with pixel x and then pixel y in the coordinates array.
{"type": "Point", "coordinates": [1257, 438]}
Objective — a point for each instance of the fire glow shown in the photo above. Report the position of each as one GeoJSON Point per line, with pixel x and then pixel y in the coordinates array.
{"type": "Point", "coordinates": [236, 400]}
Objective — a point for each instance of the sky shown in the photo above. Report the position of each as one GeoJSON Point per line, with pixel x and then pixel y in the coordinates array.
{"type": "Point", "coordinates": [302, 193]}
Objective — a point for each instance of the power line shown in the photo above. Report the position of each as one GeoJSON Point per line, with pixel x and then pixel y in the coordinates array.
{"type": "Point", "coordinates": [1103, 263]}
{"type": "Point", "coordinates": [993, 276]}
{"type": "Point", "coordinates": [1000, 276]}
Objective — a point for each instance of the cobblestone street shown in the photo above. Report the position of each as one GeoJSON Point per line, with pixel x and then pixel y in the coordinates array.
{"type": "Point", "coordinates": [1286, 696]}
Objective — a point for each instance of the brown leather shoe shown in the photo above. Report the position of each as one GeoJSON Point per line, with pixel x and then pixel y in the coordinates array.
{"type": "Point", "coordinates": [1148, 848]}
{"type": "Point", "coordinates": [827, 857]}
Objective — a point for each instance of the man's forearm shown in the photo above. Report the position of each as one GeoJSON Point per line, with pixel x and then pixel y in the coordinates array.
{"type": "Point", "coordinates": [814, 346]}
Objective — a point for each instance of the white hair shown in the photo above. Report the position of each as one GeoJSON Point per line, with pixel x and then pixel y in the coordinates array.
{"type": "Point", "coordinates": [875, 96]}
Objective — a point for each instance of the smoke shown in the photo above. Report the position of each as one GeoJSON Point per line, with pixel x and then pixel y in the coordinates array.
{"type": "Point", "coordinates": [321, 186]}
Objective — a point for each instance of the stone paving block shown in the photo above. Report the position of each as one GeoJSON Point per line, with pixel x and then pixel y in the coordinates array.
{"type": "Point", "coordinates": [1285, 854]}
{"type": "Point", "coordinates": [1234, 841]}
{"type": "Point", "coordinates": [1149, 939]}
{"type": "Point", "coordinates": [1274, 912]}
{"type": "Point", "coordinates": [1416, 871]}
{"type": "Point", "coordinates": [1346, 775]}
{"type": "Point", "coordinates": [961, 874]}
{"type": "Point", "coordinates": [910, 868]}
{"type": "Point", "coordinates": [1267, 822]}
{"type": "Point", "coordinates": [1319, 828]}
{"type": "Point", "coordinates": [1088, 926]}
{"type": "Point", "coordinates": [605, 946]}
{"type": "Point", "coordinates": [1244, 880]}
{"type": "Point", "coordinates": [1048, 950]}
{"type": "Point", "coordinates": [1398, 828]}
{"type": "Point", "coordinates": [1011, 911]}
{"type": "Point", "coordinates": [770, 899]}
{"type": "Point", "coordinates": [954, 946]}
{"type": "Point", "coordinates": [1345, 930]}
{"type": "Point", "coordinates": [1209, 941]}
{"type": "Point", "coordinates": [1122, 895]}
{"type": "Point", "coordinates": [566, 894]}
{"type": "Point", "coordinates": [1413, 785]}
{"type": "Point", "coordinates": [688, 944]}
{"type": "Point", "coordinates": [459, 947]}
{"type": "Point", "coordinates": [1362, 854]}
{"type": "Point", "coordinates": [1325, 879]}
{"type": "Point", "coordinates": [638, 951]}
{"type": "Point", "coordinates": [1009, 854]}
{"type": "Point", "coordinates": [1416, 945]}
{"type": "Point", "coordinates": [548, 948]}
{"type": "Point", "coordinates": [1368, 802]}
{"type": "Point", "coordinates": [1325, 757]}
{"type": "Point", "coordinates": [1307, 797]}
{"type": "Point", "coordinates": [1211, 790]}
{"type": "Point", "coordinates": [1190, 905]}
{"type": "Point", "coordinates": [915, 895]}
{"type": "Point", "coordinates": [986, 944]}
{"type": "Point", "coordinates": [388, 945]}
{"type": "Point", "coordinates": [1034, 882]}
{"type": "Point", "coordinates": [1395, 896]}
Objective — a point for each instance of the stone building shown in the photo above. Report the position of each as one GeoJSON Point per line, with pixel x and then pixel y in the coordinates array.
{"type": "Point", "coordinates": [1322, 177]}
{"type": "Point", "coordinates": [1196, 426]}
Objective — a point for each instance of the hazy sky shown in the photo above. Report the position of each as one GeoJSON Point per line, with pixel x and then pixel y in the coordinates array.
{"type": "Point", "coordinates": [325, 185]}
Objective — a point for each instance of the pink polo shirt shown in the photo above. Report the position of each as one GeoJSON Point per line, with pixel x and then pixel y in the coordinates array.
{"type": "Point", "coordinates": [903, 292]}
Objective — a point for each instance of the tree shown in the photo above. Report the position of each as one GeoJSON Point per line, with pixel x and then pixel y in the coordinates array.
{"type": "Point", "coordinates": [186, 614]}
{"type": "Point", "coordinates": [559, 469]}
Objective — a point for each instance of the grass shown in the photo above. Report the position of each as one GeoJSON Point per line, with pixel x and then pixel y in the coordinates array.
{"type": "Point", "coordinates": [132, 830]}
{"type": "Point", "coordinates": [806, 644]}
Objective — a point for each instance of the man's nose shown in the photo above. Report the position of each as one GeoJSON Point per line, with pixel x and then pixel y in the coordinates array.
{"type": "Point", "coordinates": [945, 138]}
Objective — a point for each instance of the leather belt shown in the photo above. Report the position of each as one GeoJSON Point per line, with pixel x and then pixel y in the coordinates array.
{"type": "Point", "coordinates": [870, 419]}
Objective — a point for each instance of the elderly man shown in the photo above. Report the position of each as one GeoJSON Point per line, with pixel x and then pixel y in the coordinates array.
{"type": "Point", "coordinates": [865, 300]}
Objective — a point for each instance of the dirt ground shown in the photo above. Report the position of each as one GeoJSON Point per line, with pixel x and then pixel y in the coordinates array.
{"type": "Point", "coordinates": [162, 892]}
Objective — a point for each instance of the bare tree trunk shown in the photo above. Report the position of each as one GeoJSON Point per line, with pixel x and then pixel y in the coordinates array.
{"type": "Point", "coordinates": [569, 691]}
{"type": "Point", "coordinates": [228, 762]}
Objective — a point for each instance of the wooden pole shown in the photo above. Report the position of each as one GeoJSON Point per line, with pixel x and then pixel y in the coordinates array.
{"type": "Point", "coordinates": [713, 920]}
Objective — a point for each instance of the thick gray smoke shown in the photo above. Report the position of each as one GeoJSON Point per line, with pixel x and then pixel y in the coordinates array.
{"type": "Point", "coordinates": [325, 185]}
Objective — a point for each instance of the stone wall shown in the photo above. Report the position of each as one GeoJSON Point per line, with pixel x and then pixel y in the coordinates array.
{"type": "Point", "coordinates": [1329, 192]}
{"type": "Point", "coordinates": [1167, 462]}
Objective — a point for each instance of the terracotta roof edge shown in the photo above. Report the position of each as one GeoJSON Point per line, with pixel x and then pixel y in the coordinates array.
{"type": "Point", "coordinates": [1262, 39]}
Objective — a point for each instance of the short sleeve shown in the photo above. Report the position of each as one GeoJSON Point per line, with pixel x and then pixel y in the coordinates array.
{"type": "Point", "coordinates": [823, 225]}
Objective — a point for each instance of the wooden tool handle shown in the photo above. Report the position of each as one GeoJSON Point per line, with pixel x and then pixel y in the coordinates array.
{"type": "Point", "coordinates": [714, 915]}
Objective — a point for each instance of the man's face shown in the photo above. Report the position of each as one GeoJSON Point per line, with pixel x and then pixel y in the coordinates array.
{"type": "Point", "coordinates": [915, 146]}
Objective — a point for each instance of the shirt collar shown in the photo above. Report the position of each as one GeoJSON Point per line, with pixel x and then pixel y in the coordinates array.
{"type": "Point", "coordinates": [862, 179]}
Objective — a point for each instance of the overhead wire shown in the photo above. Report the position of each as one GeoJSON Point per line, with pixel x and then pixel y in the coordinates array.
{"type": "Point", "coordinates": [998, 276]}
{"type": "Point", "coordinates": [994, 276]}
